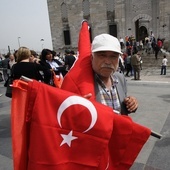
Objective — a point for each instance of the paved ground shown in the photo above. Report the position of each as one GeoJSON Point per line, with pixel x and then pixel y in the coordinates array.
{"type": "Point", "coordinates": [153, 95]}
{"type": "Point", "coordinates": [5, 131]}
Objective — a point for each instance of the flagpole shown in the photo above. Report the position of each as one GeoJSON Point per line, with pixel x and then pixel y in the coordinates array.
{"type": "Point", "coordinates": [26, 79]}
{"type": "Point", "coordinates": [156, 135]}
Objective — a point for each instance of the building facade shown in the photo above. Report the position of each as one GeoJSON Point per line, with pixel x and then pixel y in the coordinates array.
{"type": "Point", "coordinates": [120, 18]}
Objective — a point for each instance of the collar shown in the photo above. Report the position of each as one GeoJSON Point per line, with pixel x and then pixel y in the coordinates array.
{"type": "Point", "coordinates": [49, 61]}
{"type": "Point", "coordinates": [114, 80]}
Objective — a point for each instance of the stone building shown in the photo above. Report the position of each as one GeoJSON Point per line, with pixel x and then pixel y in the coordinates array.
{"type": "Point", "coordinates": [117, 17]}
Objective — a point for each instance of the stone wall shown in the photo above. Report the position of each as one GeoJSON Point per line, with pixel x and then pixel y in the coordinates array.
{"type": "Point", "coordinates": [154, 15]}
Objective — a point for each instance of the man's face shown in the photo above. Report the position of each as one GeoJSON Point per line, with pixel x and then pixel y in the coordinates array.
{"type": "Point", "coordinates": [104, 63]}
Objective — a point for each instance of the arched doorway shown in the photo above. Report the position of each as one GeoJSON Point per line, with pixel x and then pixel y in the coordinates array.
{"type": "Point", "coordinates": [141, 22]}
{"type": "Point", "coordinates": [143, 33]}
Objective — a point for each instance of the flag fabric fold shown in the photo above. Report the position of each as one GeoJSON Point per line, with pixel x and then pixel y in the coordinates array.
{"type": "Point", "coordinates": [58, 129]}
{"type": "Point", "coordinates": [81, 75]}
{"type": "Point", "coordinates": [19, 126]}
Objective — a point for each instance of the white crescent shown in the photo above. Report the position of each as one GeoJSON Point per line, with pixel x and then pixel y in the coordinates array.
{"type": "Point", "coordinates": [74, 100]}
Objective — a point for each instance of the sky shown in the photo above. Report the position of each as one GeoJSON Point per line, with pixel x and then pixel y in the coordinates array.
{"type": "Point", "coordinates": [24, 23]}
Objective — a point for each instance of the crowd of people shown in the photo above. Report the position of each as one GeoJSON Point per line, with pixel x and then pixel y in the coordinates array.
{"type": "Point", "coordinates": [26, 62]}
{"type": "Point", "coordinates": [43, 66]}
{"type": "Point", "coordinates": [133, 51]}
{"type": "Point", "coordinates": [48, 62]}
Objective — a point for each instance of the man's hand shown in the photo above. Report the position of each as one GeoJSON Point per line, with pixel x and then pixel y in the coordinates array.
{"type": "Point", "coordinates": [87, 96]}
{"type": "Point", "coordinates": [131, 103]}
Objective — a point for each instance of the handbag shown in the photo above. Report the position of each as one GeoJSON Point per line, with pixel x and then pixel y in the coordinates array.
{"type": "Point", "coordinates": [9, 87]}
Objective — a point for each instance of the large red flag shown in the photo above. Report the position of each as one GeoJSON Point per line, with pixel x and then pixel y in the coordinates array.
{"type": "Point", "coordinates": [58, 129]}
{"type": "Point", "coordinates": [80, 78]}
{"type": "Point", "coordinates": [19, 126]}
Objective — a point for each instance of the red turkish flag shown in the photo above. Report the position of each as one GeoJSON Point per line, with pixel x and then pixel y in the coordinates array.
{"type": "Point", "coordinates": [80, 79]}
{"type": "Point", "coordinates": [19, 127]}
{"type": "Point", "coordinates": [57, 129]}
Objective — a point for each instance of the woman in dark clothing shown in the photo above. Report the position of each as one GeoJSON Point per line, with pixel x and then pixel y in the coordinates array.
{"type": "Point", "coordinates": [25, 68]}
{"type": "Point", "coordinates": [51, 64]}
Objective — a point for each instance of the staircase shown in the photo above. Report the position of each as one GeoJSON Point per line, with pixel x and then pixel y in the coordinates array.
{"type": "Point", "coordinates": [151, 65]}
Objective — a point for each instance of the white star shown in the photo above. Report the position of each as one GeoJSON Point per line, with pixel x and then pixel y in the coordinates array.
{"type": "Point", "coordinates": [68, 138]}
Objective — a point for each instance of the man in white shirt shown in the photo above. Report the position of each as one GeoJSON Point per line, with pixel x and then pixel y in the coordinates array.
{"type": "Point", "coordinates": [121, 40]}
{"type": "Point", "coordinates": [164, 64]}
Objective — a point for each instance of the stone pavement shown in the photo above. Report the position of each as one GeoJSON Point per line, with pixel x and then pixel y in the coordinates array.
{"type": "Point", "coordinates": [153, 74]}
{"type": "Point", "coordinates": [152, 92]}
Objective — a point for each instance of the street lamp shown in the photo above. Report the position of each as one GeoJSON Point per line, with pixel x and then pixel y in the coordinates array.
{"type": "Point", "coordinates": [42, 40]}
{"type": "Point", "coordinates": [19, 42]}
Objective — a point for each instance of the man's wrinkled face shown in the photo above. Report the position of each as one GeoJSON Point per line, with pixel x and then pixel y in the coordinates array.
{"type": "Point", "coordinates": [104, 63]}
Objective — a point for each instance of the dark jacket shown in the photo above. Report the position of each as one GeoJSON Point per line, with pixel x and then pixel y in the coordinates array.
{"type": "Point", "coordinates": [27, 69]}
{"type": "Point", "coordinates": [4, 63]}
{"type": "Point", "coordinates": [48, 73]}
{"type": "Point", "coordinates": [69, 61]}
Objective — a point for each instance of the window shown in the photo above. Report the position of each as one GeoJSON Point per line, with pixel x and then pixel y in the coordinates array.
{"type": "Point", "coordinates": [113, 30]}
{"type": "Point", "coordinates": [67, 37]}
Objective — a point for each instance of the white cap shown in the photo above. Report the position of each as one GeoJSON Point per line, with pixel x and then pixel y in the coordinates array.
{"type": "Point", "coordinates": [106, 42]}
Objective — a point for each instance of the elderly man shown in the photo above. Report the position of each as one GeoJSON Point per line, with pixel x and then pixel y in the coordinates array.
{"type": "Point", "coordinates": [109, 86]}
{"type": "Point", "coordinates": [94, 76]}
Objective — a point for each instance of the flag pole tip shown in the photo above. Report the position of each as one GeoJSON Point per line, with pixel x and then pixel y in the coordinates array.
{"type": "Point", "coordinates": [26, 79]}
{"type": "Point", "coordinates": [156, 135]}
{"type": "Point", "coordinates": [84, 20]}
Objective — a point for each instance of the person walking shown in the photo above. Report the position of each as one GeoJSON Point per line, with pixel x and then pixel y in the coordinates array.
{"type": "Point", "coordinates": [11, 62]}
{"type": "Point", "coordinates": [69, 59]}
{"type": "Point", "coordinates": [135, 62]}
{"type": "Point", "coordinates": [158, 47]}
{"type": "Point", "coordinates": [4, 64]}
{"type": "Point", "coordinates": [122, 44]}
{"type": "Point", "coordinates": [164, 64]}
{"type": "Point", "coordinates": [128, 65]}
